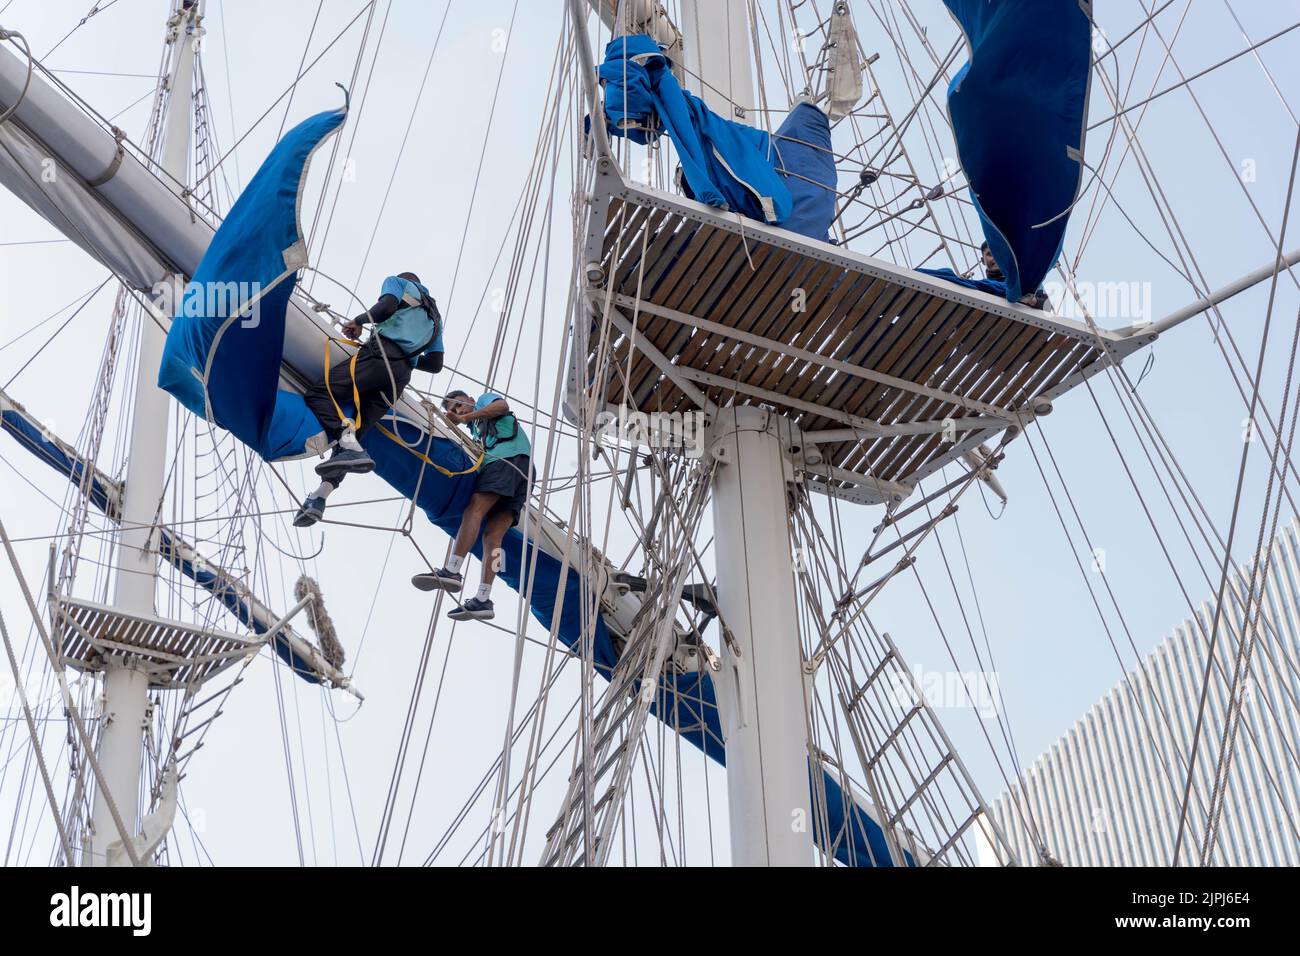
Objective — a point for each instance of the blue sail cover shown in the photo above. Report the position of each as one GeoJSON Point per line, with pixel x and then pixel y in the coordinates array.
{"type": "Point", "coordinates": [229, 330]}
{"type": "Point", "coordinates": [789, 182]}
{"type": "Point", "coordinates": [991, 286]}
{"type": "Point", "coordinates": [243, 396]}
{"type": "Point", "coordinates": [32, 436]}
{"type": "Point", "coordinates": [724, 164]}
{"type": "Point", "coordinates": [805, 159]}
{"type": "Point", "coordinates": [1018, 111]}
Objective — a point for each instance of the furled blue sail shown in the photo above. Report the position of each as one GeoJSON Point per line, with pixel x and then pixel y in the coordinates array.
{"type": "Point", "coordinates": [724, 164]}
{"type": "Point", "coordinates": [222, 357]}
{"type": "Point", "coordinates": [225, 365]}
{"type": "Point", "coordinates": [32, 436]}
{"type": "Point", "coordinates": [991, 286]}
{"type": "Point", "coordinates": [1018, 109]}
{"type": "Point", "coordinates": [806, 161]}
{"type": "Point", "coordinates": [788, 183]}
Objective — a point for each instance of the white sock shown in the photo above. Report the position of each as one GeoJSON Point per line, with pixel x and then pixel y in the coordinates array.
{"type": "Point", "coordinates": [485, 592]}
{"type": "Point", "coordinates": [454, 563]}
{"type": "Point", "coordinates": [349, 441]}
{"type": "Point", "coordinates": [325, 490]}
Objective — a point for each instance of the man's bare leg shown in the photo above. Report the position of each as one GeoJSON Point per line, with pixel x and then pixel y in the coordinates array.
{"type": "Point", "coordinates": [471, 523]}
{"type": "Point", "coordinates": [493, 534]}
{"type": "Point", "coordinates": [479, 607]}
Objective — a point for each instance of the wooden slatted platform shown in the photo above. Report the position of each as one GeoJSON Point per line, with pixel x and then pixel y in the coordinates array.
{"type": "Point", "coordinates": [176, 655]}
{"type": "Point", "coordinates": [705, 308]}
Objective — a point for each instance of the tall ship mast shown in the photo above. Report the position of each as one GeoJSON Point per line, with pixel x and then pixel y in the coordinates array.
{"type": "Point", "coordinates": [786, 294]}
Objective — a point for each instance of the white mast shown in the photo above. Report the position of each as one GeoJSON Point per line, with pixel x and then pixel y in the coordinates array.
{"type": "Point", "coordinates": [126, 685]}
{"type": "Point", "coordinates": [761, 688]}
{"type": "Point", "coordinates": [764, 705]}
{"type": "Point", "coordinates": [719, 63]}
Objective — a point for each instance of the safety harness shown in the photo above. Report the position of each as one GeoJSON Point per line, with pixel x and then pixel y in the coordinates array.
{"type": "Point", "coordinates": [495, 438]}
{"type": "Point", "coordinates": [355, 424]}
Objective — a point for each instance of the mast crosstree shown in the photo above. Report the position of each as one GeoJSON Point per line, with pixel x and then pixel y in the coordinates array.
{"type": "Point", "coordinates": [759, 330]}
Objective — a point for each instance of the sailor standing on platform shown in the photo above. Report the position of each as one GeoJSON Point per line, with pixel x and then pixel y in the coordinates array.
{"type": "Point", "coordinates": [991, 268]}
{"type": "Point", "coordinates": [407, 335]}
{"type": "Point", "coordinates": [500, 494]}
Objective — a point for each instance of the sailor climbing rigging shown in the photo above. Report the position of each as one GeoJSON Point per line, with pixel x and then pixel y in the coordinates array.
{"type": "Point", "coordinates": [500, 494]}
{"type": "Point", "coordinates": [407, 335]}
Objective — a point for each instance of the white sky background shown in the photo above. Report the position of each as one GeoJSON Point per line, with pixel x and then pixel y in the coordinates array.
{"type": "Point", "coordinates": [1053, 657]}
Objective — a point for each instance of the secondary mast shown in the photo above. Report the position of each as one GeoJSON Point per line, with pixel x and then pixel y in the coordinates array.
{"type": "Point", "coordinates": [126, 682]}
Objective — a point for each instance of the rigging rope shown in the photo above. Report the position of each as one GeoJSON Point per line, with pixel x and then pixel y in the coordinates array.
{"type": "Point", "coordinates": [1232, 526]}
{"type": "Point", "coordinates": [14, 36]}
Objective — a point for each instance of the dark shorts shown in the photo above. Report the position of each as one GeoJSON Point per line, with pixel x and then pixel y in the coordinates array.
{"type": "Point", "coordinates": [509, 480]}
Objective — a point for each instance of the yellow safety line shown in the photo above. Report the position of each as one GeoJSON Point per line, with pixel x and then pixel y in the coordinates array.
{"type": "Point", "coordinates": [356, 393]}
{"type": "Point", "coordinates": [429, 461]}
{"type": "Point", "coordinates": [356, 401]}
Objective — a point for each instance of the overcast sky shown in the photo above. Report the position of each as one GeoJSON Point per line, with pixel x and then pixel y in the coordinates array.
{"type": "Point", "coordinates": [447, 217]}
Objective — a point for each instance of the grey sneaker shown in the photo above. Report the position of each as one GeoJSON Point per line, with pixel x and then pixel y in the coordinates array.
{"type": "Point", "coordinates": [312, 510]}
{"type": "Point", "coordinates": [474, 610]}
{"type": "Point", "coordinates": [440, 580]}
{"type": "Point", "coordinates": [346, 461]}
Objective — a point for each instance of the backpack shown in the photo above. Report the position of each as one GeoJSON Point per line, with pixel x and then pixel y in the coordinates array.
{"type": "Point", "coordinates": [435, 317]}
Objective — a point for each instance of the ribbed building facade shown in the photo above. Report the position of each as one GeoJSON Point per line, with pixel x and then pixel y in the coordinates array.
{"type": "Point", "coordinates": [1108, 793]}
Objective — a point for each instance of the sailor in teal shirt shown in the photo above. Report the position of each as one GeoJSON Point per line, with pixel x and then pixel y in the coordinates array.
{"type": "Point", "coordinates": [500, 496]}
{"type": "Point", "coordinates": [407, 335]}
{"type": "Point", "coordinates": [501, 437]}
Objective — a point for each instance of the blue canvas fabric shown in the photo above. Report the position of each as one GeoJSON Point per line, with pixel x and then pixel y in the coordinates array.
{"type": "Point", "coordinates": [724, 164]}
{"type": "Point", "coordinates": [32, 436]}
{"type": "Point", "coordinates": [806, 160]}
{"type": "Point", "coordinates": [786, 180]}
{"type": "Point", "coordinates": [236, 348]}
{"type": "Point", "coordinates": [244, 398]}
{"type": "Point", "coordinates": [991, 286]}
{"type": "Point", "coordinates": [1018, 111]}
